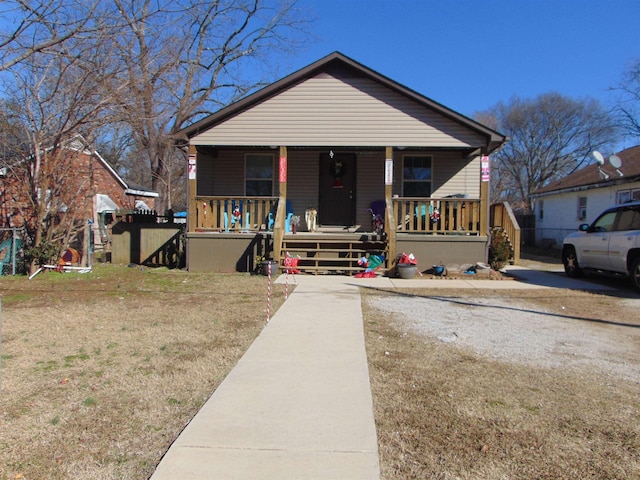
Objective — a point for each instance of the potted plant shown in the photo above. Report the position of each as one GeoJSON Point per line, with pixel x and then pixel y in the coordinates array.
{"type": "Point", "coordinates": [266, 265]}
{"type": "Point", "coordinates": [407, 265]}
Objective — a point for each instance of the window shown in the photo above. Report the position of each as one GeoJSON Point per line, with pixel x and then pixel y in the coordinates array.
{"type": "Point", "coordinates": [582, 208]}
{"type": "Point", "coordinates": [623, 196]}
{"type": "Point", "coordinates": [416, 176]}
{"type": "Point", "coordinates": [540, 209]}
{"type": "Point", "coordinates": [259, 175]}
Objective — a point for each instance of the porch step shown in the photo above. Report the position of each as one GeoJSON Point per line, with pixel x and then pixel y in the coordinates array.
{"type": "Point", "coordinates": [326, 253]}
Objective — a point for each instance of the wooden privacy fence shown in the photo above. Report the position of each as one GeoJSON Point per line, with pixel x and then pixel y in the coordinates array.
{"type": "Point", "coordinates": [147, 243]}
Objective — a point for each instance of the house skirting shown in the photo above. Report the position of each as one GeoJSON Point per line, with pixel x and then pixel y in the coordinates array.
{"type": "Point", "coordinates": [223, 252]}
{"type": "Point", "coordinates": [237, 252]}
{"type": "Point", "coordinates": [443, 249]}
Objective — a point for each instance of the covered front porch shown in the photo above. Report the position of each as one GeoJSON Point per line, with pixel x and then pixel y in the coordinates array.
{"type": "Point", "coordinates": [241, 230]}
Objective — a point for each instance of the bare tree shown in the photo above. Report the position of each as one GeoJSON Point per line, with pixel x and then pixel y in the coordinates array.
{"type": "Point", "coordinates": [30, 27]}
{"type": "Point", "coordinates": [131, 72]}
{"type": "Point", "coordinates": [184, 60]}
{"type": "Point", "coordinates": [549, 137]}
{"type": "Point", "coordinates": [628, 106]}
{"type": "Point", "coordinates": [57, 98]}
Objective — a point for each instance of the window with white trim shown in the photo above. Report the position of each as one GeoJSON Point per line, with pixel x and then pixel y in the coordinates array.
{"type": "Point", "coordinates": [582, 208]}
{"type": "Point", "coordinates": [626, 196]}
{"type": "Point", "coordinates": [258, 175]}
{"type": "Point", "coordinates": [416, 176]}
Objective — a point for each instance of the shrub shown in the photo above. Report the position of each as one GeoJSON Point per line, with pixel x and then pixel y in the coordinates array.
{"type": "Point", "coordinates": [499, 249]}
{"type": "Point", "coordinates": [43, 254]}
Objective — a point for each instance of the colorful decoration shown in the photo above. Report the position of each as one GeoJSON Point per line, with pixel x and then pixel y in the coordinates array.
{"type": "Point", "coordinates": [370, 264]}
{"type": "Point", "coordinates": [377, 221]}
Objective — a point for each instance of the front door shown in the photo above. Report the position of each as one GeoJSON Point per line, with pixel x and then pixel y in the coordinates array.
{"type": "Point", "coordinates": [337, 203]}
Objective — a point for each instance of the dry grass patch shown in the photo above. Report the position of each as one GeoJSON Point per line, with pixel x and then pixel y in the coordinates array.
{"type": "Point", "coordinates": [102, 371]}
{"type": "Point", "coordinates": [443, 412]}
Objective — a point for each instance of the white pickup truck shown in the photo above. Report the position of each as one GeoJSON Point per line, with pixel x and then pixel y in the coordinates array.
{"type": "Point", "coordinates": [610, 245]}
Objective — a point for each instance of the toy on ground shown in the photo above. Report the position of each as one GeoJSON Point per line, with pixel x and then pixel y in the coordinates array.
{"type": "Point", "coordinates": [370, 264]}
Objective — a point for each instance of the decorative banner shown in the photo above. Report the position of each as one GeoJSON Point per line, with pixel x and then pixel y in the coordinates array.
{"type": "Point", "coordinates": [484, 169]}
{"type": "Point", "coordinates": [192, 166]}
{"type": "Point", "coordinates": [283, 169]}
{"type": "Point", "coordinates": [388, 171]}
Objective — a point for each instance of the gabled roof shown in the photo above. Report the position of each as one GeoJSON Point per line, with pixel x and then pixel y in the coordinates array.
{"type": "Point", "coordinates": [596, 176]}
{"type": "Point", "coordinates": [78, 143]}
{"type": "Point", "coordinates": [329, 63]}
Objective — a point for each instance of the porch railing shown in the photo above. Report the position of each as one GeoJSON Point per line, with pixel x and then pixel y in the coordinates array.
{"type": "Point", "coordinates": [233, 214]}
{"type": "Point", "coordinates": [452, 216]}
{"type": "Point", "coordinates": [502, 216]}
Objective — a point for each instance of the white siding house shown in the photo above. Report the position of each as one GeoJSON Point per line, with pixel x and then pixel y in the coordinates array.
{"type": "Point", "coordinates": [579, 198]}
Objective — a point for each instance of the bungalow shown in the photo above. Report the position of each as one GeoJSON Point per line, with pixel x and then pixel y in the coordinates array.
{"type": "Point", "coordinates": [332, 163]}
{"type": "Point", "coordinates": [563, 205]}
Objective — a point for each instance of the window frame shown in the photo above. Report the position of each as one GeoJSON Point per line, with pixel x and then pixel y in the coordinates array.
{"type": "Point", "coordinates": [247, 158]}
{"type": "Point", "coordinates": [428, 182]}
{"type": "Point", "coordinates": [582, 209]}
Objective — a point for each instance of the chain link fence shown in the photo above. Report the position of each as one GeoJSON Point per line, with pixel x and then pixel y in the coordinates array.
{"type": "Point", "coordinates": [11, 253]}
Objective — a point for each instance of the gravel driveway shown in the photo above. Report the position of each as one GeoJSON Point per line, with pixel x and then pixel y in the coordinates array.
{"type": "Point", "coordinates": [516, 330]}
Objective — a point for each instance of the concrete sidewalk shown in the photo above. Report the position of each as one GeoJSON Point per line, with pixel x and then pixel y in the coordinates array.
{"type": "Point", "coordinates": [298, 404]}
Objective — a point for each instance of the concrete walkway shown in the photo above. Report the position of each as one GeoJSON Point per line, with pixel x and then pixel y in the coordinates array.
{"type": "Point", "coordinates": [298, 404]}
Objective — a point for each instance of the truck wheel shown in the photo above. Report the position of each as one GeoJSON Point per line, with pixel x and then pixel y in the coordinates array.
{"type": "Point", "coordinates": [635, 273]}
{"type": "Point", "coordinates": [570, 262]}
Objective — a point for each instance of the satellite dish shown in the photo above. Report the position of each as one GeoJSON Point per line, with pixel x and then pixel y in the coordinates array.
{"type": "Point", "coordinates": [598, 156]}
{"type": "Point", "coordinates": [615, 161]}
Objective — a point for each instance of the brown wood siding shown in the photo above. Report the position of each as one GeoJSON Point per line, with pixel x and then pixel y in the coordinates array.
{"type": "Point", "coordinates": [329, 111]}
{"type": "Point", "coordinates": [370, 185]}
{"type": "Point", "coordinates": [451, 173]}
{"type": "Point", "coordinates": [228, 173]}
{"type": "Point", "coordinates": [454, 174]}
{"type": "Point", "coordinates": [204, 174]}
{"type": "Point", "coordinates": [302, 181]}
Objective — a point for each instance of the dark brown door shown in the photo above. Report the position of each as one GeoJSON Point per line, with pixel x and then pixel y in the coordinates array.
{"type": "Point", "coordinates": [337, 189]}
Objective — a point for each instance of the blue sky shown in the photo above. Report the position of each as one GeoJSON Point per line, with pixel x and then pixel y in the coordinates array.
{"type": "Point", "coordinates": [471, 54]}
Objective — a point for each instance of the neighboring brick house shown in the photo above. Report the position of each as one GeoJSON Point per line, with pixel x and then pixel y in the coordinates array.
{"type": "Point", "coordinates": [90, 184]}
